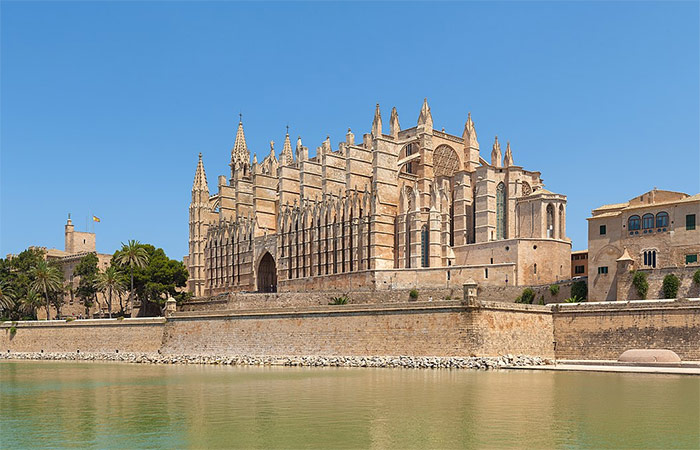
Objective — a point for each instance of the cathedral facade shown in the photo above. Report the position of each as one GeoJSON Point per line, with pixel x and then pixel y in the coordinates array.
{"type": "Point", "coordinates": [410, 208]}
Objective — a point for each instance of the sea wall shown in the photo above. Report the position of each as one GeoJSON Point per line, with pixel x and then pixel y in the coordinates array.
{"type": "Point", "coordinates": [605, 330]}
{"type": "Point", "coordinates": [94, 335]}
{"type": "Point", "coordinates": [446, 328]}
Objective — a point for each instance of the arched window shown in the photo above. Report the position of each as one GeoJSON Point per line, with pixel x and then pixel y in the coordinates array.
{"type": "Point", "coordinates": [501, 211]}
{"type": "Point", "coordinates": [647, 221]}
{"type": "Point", "coordinates": [550, 221]}
{"type": "Point", "coordinates": [662, 219]}
{"type": "Point", "coordinates": [633, 223]}
{"type": "Point", "coordinates": [424, 247]}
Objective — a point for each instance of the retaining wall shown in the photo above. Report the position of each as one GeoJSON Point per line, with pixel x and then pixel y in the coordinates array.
{"type": "Point", "coordinates": [446, 328]}
{"type": "Point", "coordinates": [95, 335]}
{"type": "Point", "coordinates": [605, 330]}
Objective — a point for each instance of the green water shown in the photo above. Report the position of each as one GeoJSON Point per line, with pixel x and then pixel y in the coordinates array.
{"type": "Point", "coordinates": [102, 405]}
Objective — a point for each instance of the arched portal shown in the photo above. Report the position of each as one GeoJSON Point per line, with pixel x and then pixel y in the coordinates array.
{"type": "Point", "coordinates": [267, 274]}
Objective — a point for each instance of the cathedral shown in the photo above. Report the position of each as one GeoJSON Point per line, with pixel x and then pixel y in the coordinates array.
{"type": "Point", "coordinates": [411, 208]}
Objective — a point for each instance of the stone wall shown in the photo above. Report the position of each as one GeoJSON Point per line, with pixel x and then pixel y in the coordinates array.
{"type": "Point", "coordinates": [605, 330]}
{"type": "Point", "coordinates": [655, 278]}
{"type": "Point", "coordinates": [445, 328]}
{"type": "Point", "coordinates": [97, 335]}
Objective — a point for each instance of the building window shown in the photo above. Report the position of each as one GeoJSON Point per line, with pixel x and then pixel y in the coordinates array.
{"type": "Point", "coordinates": [662, 220]}
{"type": "Point", "coordinates": [486, 273]}
{"type": "Point", "coordinates": [424, 250]}
{"type": "Point", "coordinates": [409, 152]}
{"type": "Point", "coordinates": [603, 269]}
{"type": "Point", "coordinates": [603, 230]}
{"type": "Point", "coordinates": [633, 223]}
{"type": "Point", "coordinates": [650, 258]}
{"type": "Point", "coordinates": [691, 259]}
{"type": "Point", "coordinates": [579, 269]}
{"type": "Point", "coordinates": [690, 222]}
{"type": "Point", "coordinates": [501, 211]}
{"type": "Point", "coordinates": [550, 221]}
{"type": "Point", "coordinates": [647, 221]}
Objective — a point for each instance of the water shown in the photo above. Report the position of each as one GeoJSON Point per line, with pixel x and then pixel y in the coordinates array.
{"type": "Point", "coordinates": [103, 405]}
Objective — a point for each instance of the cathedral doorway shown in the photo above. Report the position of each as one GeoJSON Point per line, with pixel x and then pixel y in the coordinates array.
{"type": "Point", "coordinates": [267, 274]}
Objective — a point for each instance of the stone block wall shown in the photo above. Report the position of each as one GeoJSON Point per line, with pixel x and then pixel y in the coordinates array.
{"type": "Point", "coordinates": [99, 335]}
{"type": "Point", "coordinates": [655, 278]}
{"type": "Point", "coordinates": [445, 328]}
{"type": "Point", "coordinates": [605, 330]}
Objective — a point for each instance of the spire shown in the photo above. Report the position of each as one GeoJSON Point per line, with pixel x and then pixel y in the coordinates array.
{"type": "Point", "coordinates": [508, 159]}
{"type": "Point", "coordinates": [469, 134]}
{"type": "Point", "coordinates": [200, 178]}
{"type": "Point", "coordinates": [240, 151]}
{"type": "Point", "coordinates": [394, 123]}
{"type": "Point", "coordinates": [425, 118]}
{"type": "Point", "coordinates": [287, 157]}
{"type": "Point", "coordinates": [377, 123]}
{"type": "Point", "coordinates": [496, 154]}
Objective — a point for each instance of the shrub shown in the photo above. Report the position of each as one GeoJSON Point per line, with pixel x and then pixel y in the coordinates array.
{"type": "Point", "coordinates": [342, 300]}
{"type": "Point", "coordinates": [670, 286]}
{"type": "Point", "coordinates": [639, 281]}
{"type": "Point", "coordinates": [554, 289]}
{"type": "Point", "coordinates": [528, 296]}
{"type": "Point", "coordinates": [70, 319]}
{"type": "Point", "coordinates": [13, 329]}
{"type": "Point", "coordinates": [579, 290]}
{"type": "Point", "coordinates": [413, 294]}
{"type": "Point", "coordinates": [573, 299]}
{"type": "Point", "coordinates": [449, 297]}
{"type": "Point", "coordinates": [541, 302]}
{"type": "Point", "coordinates": [696, 277]}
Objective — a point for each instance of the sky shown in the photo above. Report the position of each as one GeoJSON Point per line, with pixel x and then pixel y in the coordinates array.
{"type": "Point", "coordinates": [105, 106]}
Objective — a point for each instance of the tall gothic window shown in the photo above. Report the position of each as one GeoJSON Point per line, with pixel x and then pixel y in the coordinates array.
{"type": "Point", "coordinates": [452, 219]}
{"type": "Point", "coordinates": [501, 211]}
{"type": "Point", "coordinates": [550, 221]}
{"type": "Point", "coordinates": [424, 247]}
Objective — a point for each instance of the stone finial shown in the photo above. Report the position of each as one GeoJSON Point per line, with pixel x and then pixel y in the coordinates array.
{"type": "Point", "coordinates": [394, 123]}
{"type": "Point", "coordinates": [508, 158]}
{"type": "Point", "coordinates": [496, 153]}
{"type": "Point", "coordinates": [287, 157]}
{"type": "Point", "coordinates": [327, 144]}
{"type": "Point", "coordinates": [377, 123]}
{"type": "Point", "coordinates": [425, 119]}
{"type": "Point", "coordinates": [240, 152]}
{"type": "Point", "coordinates": [350, 137]}
{"type": "Point", "coordinates": [469, 133]}
{"type": "Point", "coordinates": [200, 177]}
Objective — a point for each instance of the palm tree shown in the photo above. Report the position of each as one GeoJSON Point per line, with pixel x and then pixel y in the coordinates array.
{"type": "Point", "coordinates": [111, 280]}
{"type": "Point", "coordinates": [133, 255]}
{"type": "Point", "coordinates": [7, 297]}
{"type": "Point", "coordinates": [46, 279]}
{"type": "Point", "coordinates": [30, 303]}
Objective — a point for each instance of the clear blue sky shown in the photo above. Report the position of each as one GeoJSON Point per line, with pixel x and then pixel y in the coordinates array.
{"type": "Point", "coordinates": [105, 106]}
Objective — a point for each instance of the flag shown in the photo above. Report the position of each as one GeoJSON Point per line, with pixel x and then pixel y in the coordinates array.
{"type": "Point", "coordinates": [95, 219]}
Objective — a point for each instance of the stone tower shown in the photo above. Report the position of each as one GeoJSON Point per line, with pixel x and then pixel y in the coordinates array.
{"type": "Point", "coordinates": [199, 223]}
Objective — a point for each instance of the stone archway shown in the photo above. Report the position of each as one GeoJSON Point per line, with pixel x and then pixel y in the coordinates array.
{"type": "Point", "coordinates": [267, 274]}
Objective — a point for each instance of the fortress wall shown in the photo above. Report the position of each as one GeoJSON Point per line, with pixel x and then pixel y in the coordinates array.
{"type": "Point", "coordinates": [445, 328]}
{"type": "Point", "coordinates": [605, 330]}
{"type": "Point", "coordinates": [96, 335]}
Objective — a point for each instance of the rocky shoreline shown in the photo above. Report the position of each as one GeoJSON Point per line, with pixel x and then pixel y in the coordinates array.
{"type": "Point", "coordinates": [407, 362]}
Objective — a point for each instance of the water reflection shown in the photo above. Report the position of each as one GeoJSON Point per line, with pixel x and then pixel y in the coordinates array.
{"type": "Point", "coordinates": [121, 405]}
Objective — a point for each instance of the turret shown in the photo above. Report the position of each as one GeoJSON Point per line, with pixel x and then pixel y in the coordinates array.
{"type": "Point", "coordinates": [425, 119]}
{"type": "Point", "coordinates": [287, 157]}
{"type": "Point", "coordinates": [471, 145]}
{"type": "Point", "coordinates": [394, 123]}
{"type": "Point", "coordinates": [496, 153]}
{"type": "Point", "coordinates": [377, 123]}
{"type": "Point", "coordinates": [240, 155]}
{"type": "Point", "coordinates": [198, 224]}
{"type": "Point", "coordinates": [508, 159]}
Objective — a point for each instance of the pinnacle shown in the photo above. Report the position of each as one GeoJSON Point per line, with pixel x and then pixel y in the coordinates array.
{"type": "Point", "coordinates": [200, 176]}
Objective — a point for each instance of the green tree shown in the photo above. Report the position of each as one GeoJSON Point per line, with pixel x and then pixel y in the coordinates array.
{"type": "Point", "coordinates": [29, 304]}
{"type": "Point", "coordinates": [670, 286]}
{"type": "Point", "coordinates": [111, 281]}
{"type": "Point", "coordinates": [639, 281]}
{"type": "Point", "coordinates": [579, 290]}
{"type": "Point", "coordinates": [527, 296]}
{"type": "Point", "coordinates": [132, 256]}
{"type": "Point", "coordinates": [87, 270]}
{"type": "Point", "coordinates": [157, 280]}
{"type": "Point", "coordinates": [7, 299]}
{"type": "Point", "coordinates": [46, 279]}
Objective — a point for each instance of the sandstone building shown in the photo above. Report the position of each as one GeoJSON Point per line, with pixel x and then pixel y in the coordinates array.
{"type": "Point", "coordinates": [396, 208]}
{"type": "Point", "coordinates": [656, 232]}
